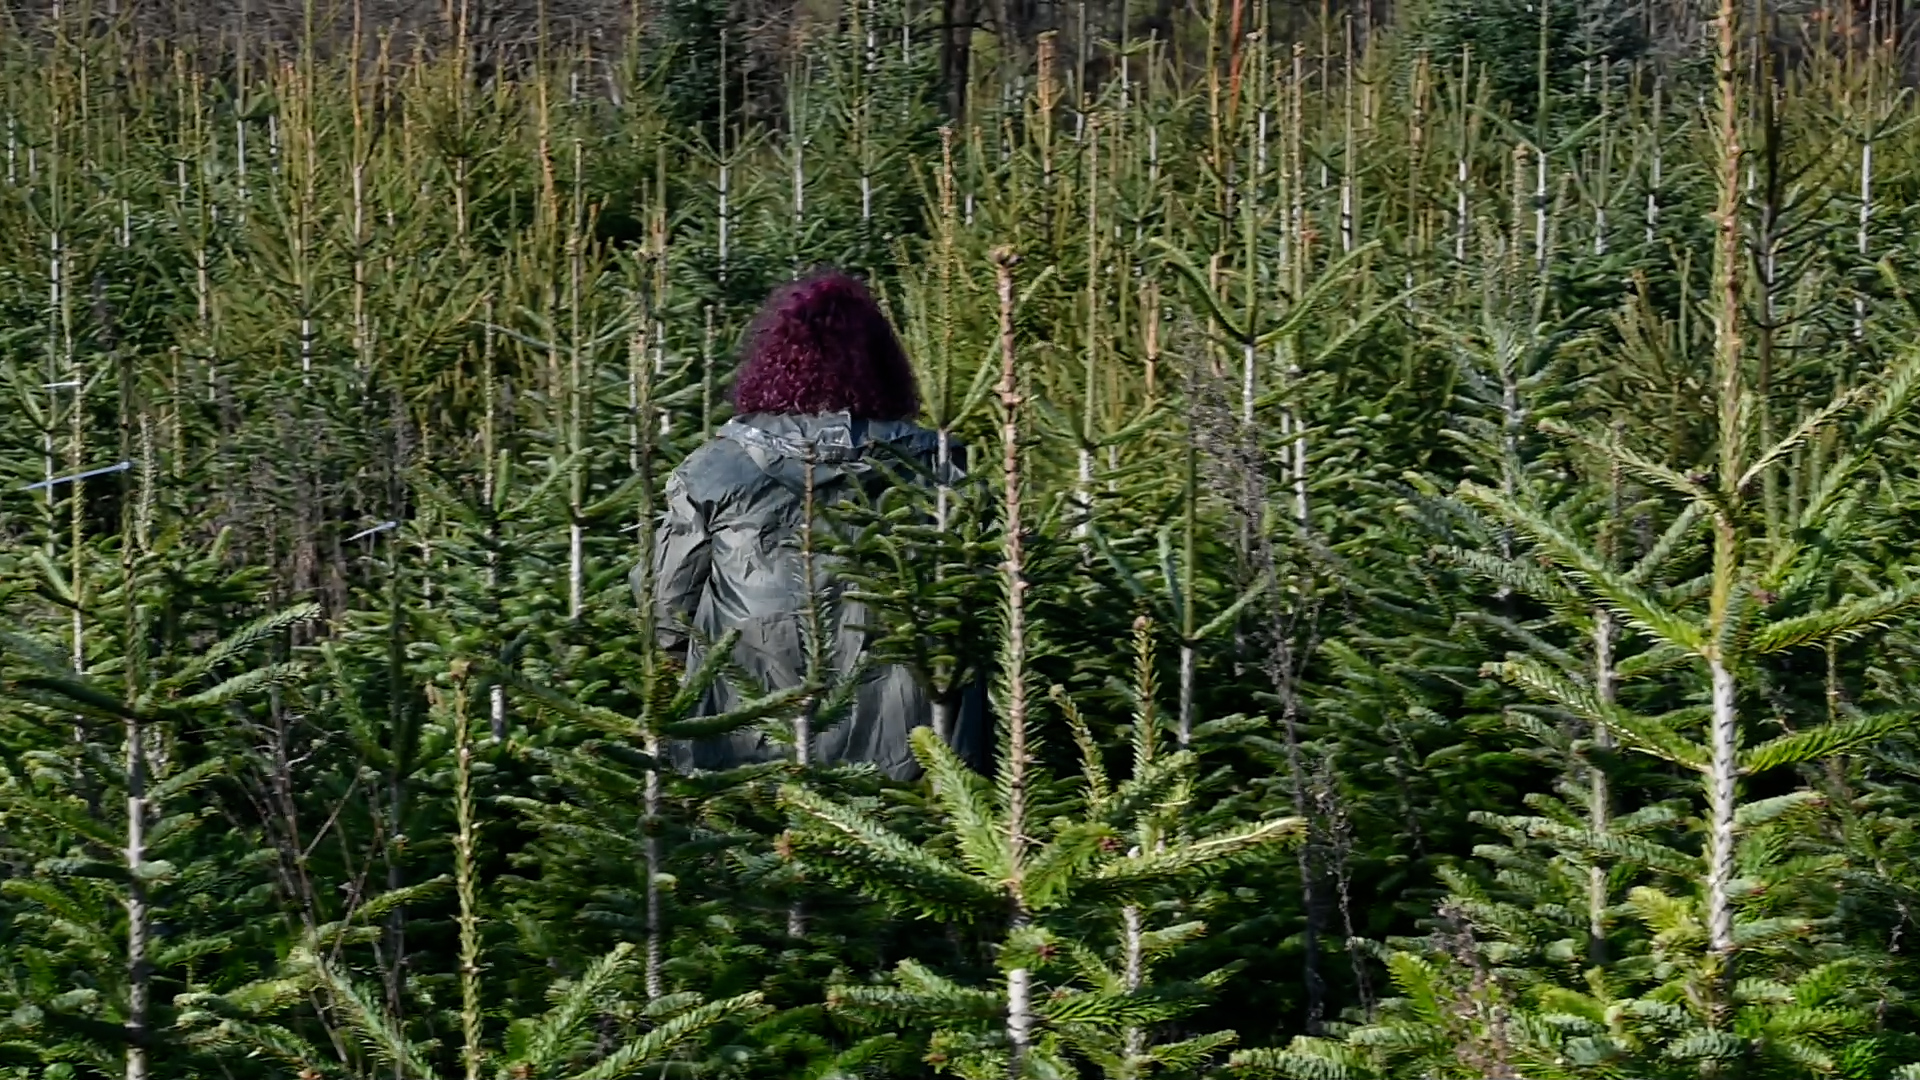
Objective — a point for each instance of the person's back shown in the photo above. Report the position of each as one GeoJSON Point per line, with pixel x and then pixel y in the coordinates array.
{"type": "Point", "coordinates": [824, 390]}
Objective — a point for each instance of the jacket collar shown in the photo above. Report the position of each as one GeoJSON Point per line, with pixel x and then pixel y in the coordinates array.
{"type": "Point", "coordinates": [836, 437]}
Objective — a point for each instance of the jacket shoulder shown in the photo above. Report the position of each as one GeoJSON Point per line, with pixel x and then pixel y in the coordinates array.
{"type": "Point", "coordinates": [715, 472]}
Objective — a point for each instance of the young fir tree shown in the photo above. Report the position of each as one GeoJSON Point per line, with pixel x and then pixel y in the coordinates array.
{"type": "Point", "coordinates": [1732, 966]}
{"type": "Point", "coordinates": [1027, 877]}
{"type": "Point", "coordinates": [602, 1022]}
{"type": "Point", "coordinates": [128, 899]}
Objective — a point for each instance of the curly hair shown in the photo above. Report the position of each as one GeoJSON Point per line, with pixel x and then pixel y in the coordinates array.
{"type": "Point", "coordinates": [821, 344]}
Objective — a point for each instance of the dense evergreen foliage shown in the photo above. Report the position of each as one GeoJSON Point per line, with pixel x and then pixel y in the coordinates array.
{"type": "Point", "coordinates": [1439, 531]}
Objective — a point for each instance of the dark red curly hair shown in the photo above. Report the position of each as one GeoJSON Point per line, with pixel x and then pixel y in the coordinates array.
{"type": "Point", "coordinates": [821, 344]}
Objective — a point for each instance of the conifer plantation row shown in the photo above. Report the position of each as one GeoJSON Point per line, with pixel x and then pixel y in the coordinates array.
{"type": "Point", "coordinates": [1440, 531]}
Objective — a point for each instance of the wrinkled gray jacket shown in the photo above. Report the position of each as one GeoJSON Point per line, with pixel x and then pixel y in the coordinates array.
{"type": "Point", "coordinates": [727, 556]}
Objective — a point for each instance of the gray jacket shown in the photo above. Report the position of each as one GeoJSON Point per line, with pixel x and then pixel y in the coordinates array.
{"type": "Point", "coordinates": [728, 557]}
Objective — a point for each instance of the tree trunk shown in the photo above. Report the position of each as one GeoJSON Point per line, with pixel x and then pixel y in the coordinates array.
{"type": "Point", "coordinates": [1726, 745]}
{"type": "Point", "coordinates": [956, 53]}
{"type": "Point", "coordinates": [945, 710]}
{"type": "Point", "coordinates": [139, 972]}
{"type": "Point", "coordinates": [656, 984]}
{"type": "Point", "coordinates": [1135, 945]}
{"type": "Point", "coordinates": [1019, 980]}
{"type": "Point", "coordinates": [1019, 1021]}
{"type": "Point", "coordinates": [1601, 812]}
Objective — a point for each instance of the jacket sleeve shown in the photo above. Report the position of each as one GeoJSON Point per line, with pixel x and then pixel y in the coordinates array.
{"type": "Point", "coordinates": [682, 560]}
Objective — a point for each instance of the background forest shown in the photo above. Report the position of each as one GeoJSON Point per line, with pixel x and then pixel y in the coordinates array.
{"type": "Point", "coordinates": [1443, 487]}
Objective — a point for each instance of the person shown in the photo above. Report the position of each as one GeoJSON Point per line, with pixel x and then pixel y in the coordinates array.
{"type": "Point", "coordinates": [823, 387]}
